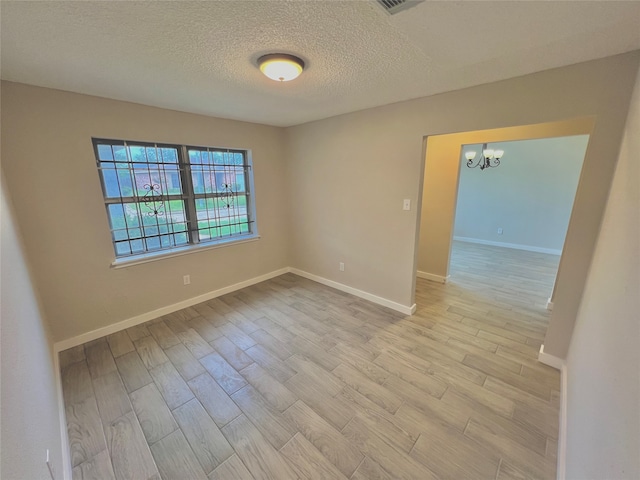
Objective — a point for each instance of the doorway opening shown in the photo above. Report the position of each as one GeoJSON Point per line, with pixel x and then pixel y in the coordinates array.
{"type": "Point", "coordinates": [511, 218]}
{"type": "Point", "coordinates": [464, 209]}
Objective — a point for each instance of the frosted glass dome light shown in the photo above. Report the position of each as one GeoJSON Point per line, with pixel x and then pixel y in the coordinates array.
{"type": "Point", "coordinates": [281, 67]}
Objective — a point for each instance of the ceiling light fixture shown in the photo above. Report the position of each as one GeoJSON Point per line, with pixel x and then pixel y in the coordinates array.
{"type": "Point", "coordinates": [281, 67]}
{"type": "Point", "coordinates": [490, 158]}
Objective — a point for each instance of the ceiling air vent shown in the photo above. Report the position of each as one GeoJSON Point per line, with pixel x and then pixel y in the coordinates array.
{"type": "Point", "coordinates": [395, 6]}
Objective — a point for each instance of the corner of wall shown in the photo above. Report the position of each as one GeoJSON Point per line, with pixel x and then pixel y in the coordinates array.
{"type": "Point", "coordinates": [32, 413]}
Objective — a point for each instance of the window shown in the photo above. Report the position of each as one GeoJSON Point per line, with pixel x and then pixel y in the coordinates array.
{"type": "Point", "coordinates": [164, 197]}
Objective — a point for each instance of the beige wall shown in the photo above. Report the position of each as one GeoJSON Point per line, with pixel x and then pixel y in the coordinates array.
{"type": "Point", "coordinates": [351, 173]}
{"type": "Point", "coordinates": [603, 385]}
{"type": "Point", "coordinates": [29, 404]}
{"type": "Point", "coordinates": [327, 192]}
{"type": "Point", "coordinates": [51, 175]}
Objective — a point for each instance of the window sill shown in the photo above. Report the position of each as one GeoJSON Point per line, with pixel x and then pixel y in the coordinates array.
{"type": "Point", "coordinates": [176, 252]}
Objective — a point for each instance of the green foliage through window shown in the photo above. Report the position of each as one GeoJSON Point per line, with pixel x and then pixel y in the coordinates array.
{"type": "Point", "coordinates": [161, 196]}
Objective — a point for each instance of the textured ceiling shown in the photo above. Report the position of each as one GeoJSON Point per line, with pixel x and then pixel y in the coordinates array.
{"type": "Point", "coordinates": [200, 56]}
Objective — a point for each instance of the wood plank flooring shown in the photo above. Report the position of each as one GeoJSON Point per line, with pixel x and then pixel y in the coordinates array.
{"type": "Point", "coordinates": [292, 379]}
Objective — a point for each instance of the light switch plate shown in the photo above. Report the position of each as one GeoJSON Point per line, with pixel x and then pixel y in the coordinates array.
{"type": "Point", "coordinates": [406, 205]}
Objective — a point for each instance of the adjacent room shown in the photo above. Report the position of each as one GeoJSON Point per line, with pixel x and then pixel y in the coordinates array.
{"type": "Point", "coordinates": [319, 240]}
{"type": "Point", "coordinates": [512, 215]}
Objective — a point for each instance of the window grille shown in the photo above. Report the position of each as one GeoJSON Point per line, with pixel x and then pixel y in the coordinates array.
{"type": "Point", "coordinates": [162, 197]}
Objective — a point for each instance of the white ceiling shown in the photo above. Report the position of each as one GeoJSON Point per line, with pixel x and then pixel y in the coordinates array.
{"type": "Point", "coordinates": [200, 56]}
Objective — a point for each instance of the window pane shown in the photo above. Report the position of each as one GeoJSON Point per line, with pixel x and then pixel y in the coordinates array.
{"type": "Point", "coordinates": [120, 235]}
{"type": "Point", "coordinates": [135, 233]}
{"type": "Point", "coordinates": [169, 155]}
{"type": "Point", "coordinates": [240, 183]}
{"type": "Point", "coordinates": [180, 238]}
{"type": "Point", "coordinates": [197, 178]}
{"type": "Point", "coordinates": [153, 243]}
{"type": "Point", "coordinates": [104, 152]}
{"type": "Point", "coordinates": [124, 180]}
{"type": "Point", "coordinates": [142, 178]}
{"type": "Point", "coordinates": [137, 154]}
{"type": "Point", "coordinates": [132, 214]}
{"type": "Point", "coordinates": [195, 157]}
{"type": "Point", "coordinates": [152, 181]}
{"type": "Point", "coordinates": [116, 217]}
{"type": "Point", "coordinates": [222, 217]}
{"type": "Point", "coordinates": [123, 248]}
{"type": "Point", "coordinates": [137, 246]}
{"type": "Point", "coordinates": [171, 180]}
{"type": "Point", "coordinates": [147, 231]}
{"type": "Point", "coordinates": [216, 158]}
{"type": "Point", "coordinates": [150, 231]}
{"type": "Point", "coordinates": [217, 172]}
{"type": "Point", "coordinates": [110, 180]}
{"type": "Point", "coordinates": [152, 154]}
{"type": "Point", "coordinates": [166, 241]}
{"type": "Point", "coordinates": [117, 182]}
{"type": "Point", "coordinates": [120, 153]}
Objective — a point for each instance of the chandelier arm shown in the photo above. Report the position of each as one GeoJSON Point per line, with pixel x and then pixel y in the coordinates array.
{"type": "Point", "coordinates": [470, 163]}
{"type": "Point", "coordinates": [492, 162]}
{"type": "Point", "coordinates": [484, 161]}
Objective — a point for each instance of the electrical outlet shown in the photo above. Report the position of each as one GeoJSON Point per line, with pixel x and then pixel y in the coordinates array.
{"type": "Point", "coordinates": [187, 279]}
{"type": "Point", "coordinates": [342, 266]}
{"type": "Point", "coordinates": [500, 231]}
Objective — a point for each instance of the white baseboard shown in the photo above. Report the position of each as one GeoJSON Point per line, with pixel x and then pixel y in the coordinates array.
{"type": "Point", "coordinates": [433, 277]}
{"type": "Point", "coordinates": [561, 365]}
{"type": "Point", "coordinates": [62, 418]}
{"type": "Point", "coordinates": [516, 246]}
{"type": "Point", "coordinates": [550, 360]}
{"type": "Point", "coordinates": [407, 310]}
{"type": "Point", "coordinates": [549, 304]}
{"type": "Point", "coordinates": [145, 317]}
{"type": "Point", "coordinates": [561, 467]}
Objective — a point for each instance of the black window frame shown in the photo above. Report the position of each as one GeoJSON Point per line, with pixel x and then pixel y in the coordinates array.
{"type": "Point", "coordinates": [239, 229]}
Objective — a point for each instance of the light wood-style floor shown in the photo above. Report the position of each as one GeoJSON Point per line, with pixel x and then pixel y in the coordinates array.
{"type": "Point", "coordinates": [292, 379]}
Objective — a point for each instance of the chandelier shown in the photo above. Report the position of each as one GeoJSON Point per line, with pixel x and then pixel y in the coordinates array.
{"type": "Point", "coordinates": [489, 159]}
